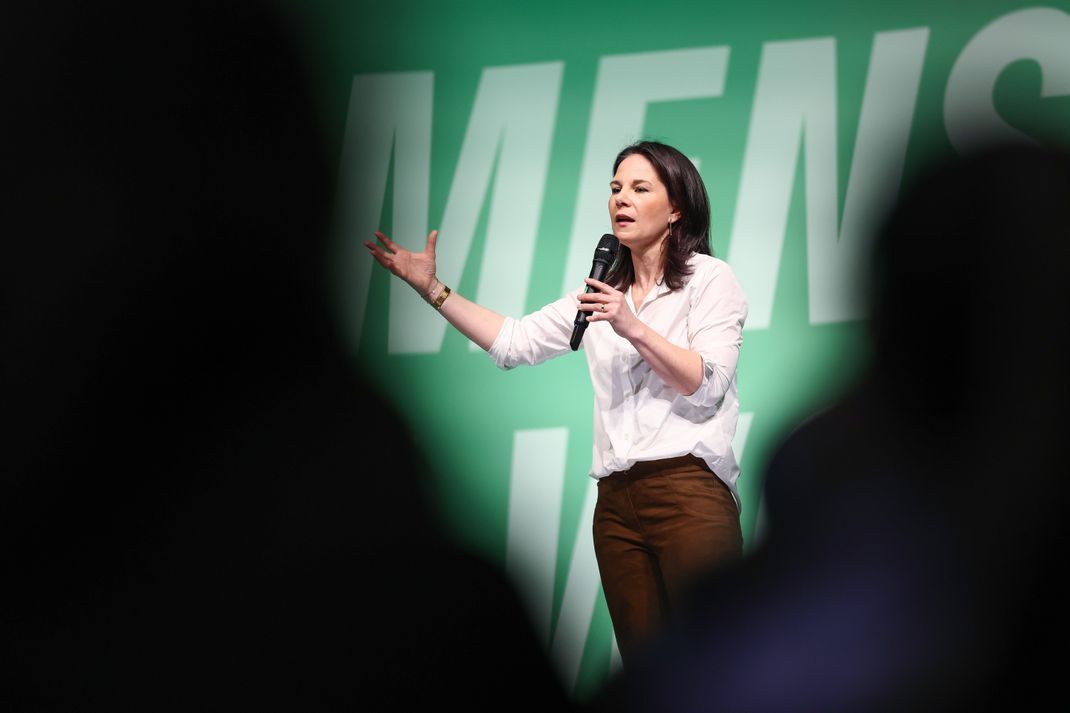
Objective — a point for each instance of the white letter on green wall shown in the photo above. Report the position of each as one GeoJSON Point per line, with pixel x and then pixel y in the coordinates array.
{"type": "Point", "coordinates": [385, 110]}
{"type": "Point", "coordinates": [512, 124]}
{"type": "Point", "coordinates": [536, 485]}
{"type": "Point", "coordinates": [796, 96]}
{"type": "Point", "coordinates": [1039, 34]}
{"type": "Point", "coordinates": [513, 120]}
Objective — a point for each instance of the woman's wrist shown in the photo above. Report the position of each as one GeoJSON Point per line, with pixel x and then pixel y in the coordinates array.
{"type": "Point", "coordinates": [437, 293]}
{"type": "Point", "coordinates": [431, 292]}
{"type": "Point", "coordinates": [636, 333]}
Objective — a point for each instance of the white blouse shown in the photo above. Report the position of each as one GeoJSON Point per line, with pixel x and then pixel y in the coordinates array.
{"type": "Point", "coordinates": [637, 416]}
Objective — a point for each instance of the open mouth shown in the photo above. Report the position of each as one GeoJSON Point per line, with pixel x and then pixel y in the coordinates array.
{"type": "Point", "coordinates": [623, 220]}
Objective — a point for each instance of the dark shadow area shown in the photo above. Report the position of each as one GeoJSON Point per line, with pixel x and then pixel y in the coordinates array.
{"type": "Point", "coordinates": [203, 507]}
{"type": "Point", "coordinates": [916, 528]}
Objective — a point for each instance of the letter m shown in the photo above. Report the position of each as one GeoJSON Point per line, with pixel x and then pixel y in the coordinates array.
{"type": "Point", "coordinates": [510, 126]}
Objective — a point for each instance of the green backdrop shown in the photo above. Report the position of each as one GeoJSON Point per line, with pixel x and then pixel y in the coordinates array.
{"type": "Point", "coordinates": [497, 122]}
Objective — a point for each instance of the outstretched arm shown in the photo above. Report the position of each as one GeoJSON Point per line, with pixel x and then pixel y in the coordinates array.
{"type": "Point", "coordinates": [474, 321]}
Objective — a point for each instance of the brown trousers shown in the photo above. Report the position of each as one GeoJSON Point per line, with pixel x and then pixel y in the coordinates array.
{"type": "Point", "coordinates": [657, 525]}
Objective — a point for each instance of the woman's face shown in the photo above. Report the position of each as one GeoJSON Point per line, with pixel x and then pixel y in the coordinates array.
{"type": "Point", "coordinates": [639, 206]}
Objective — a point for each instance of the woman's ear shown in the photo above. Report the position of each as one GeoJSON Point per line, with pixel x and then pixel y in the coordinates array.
{"type": "Point", "coordinates": [674, 217]}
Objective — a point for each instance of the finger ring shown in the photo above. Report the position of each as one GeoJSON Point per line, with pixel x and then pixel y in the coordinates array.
{"type": "Point", "coordinates": [603, 308]}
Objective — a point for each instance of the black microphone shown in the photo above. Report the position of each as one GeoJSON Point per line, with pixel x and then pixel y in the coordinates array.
{"type": "Point", "coordinates": [604, 255]}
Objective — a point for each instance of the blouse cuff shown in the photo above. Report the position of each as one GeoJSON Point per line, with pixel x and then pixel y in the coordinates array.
{"type": "Point", "coordinates": [499, 350]}
{"type": "Point", "coordinates": [713, 387]}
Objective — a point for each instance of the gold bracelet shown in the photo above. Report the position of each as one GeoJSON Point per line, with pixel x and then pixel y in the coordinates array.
{"type": "Point", "coordinates": [442, 295]}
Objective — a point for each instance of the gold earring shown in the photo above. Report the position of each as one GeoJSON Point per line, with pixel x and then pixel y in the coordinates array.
{"type": "Point", "coordinates": [670, 229]}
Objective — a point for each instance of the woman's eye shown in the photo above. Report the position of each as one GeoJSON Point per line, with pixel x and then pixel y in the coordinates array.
{"type": "Point", "coordinates": [614, 189]}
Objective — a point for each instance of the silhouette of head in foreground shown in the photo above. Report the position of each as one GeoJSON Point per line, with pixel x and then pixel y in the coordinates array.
{"type": "Point", "coordinates": [202, 507]}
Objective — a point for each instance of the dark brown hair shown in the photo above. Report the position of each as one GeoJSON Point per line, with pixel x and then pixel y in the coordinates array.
{"type": "Point", "coordinates": [687, 194]}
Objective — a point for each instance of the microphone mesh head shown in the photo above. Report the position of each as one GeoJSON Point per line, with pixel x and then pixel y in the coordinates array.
{"type": "Point", "coordinates": [607, 248]}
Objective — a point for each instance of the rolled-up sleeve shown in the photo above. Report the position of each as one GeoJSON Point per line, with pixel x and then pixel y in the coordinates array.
{"type": "Point", "coordinates": [715, 330]}
{"type": "Point", "coordinates": [535, 337]}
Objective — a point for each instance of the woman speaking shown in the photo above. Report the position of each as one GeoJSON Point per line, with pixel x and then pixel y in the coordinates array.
{"type": "Point", "coordinates": [662, 344]}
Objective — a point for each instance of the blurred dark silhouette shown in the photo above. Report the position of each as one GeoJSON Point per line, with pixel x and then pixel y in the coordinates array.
{"type": "Point", "coordinates": [916, 529]}
{"type": "Point", "coordinates": [203, 508]}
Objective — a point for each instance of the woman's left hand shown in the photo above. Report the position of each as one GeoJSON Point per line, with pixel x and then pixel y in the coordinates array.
{"type": "Point", "coordinates": [609, 305]}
